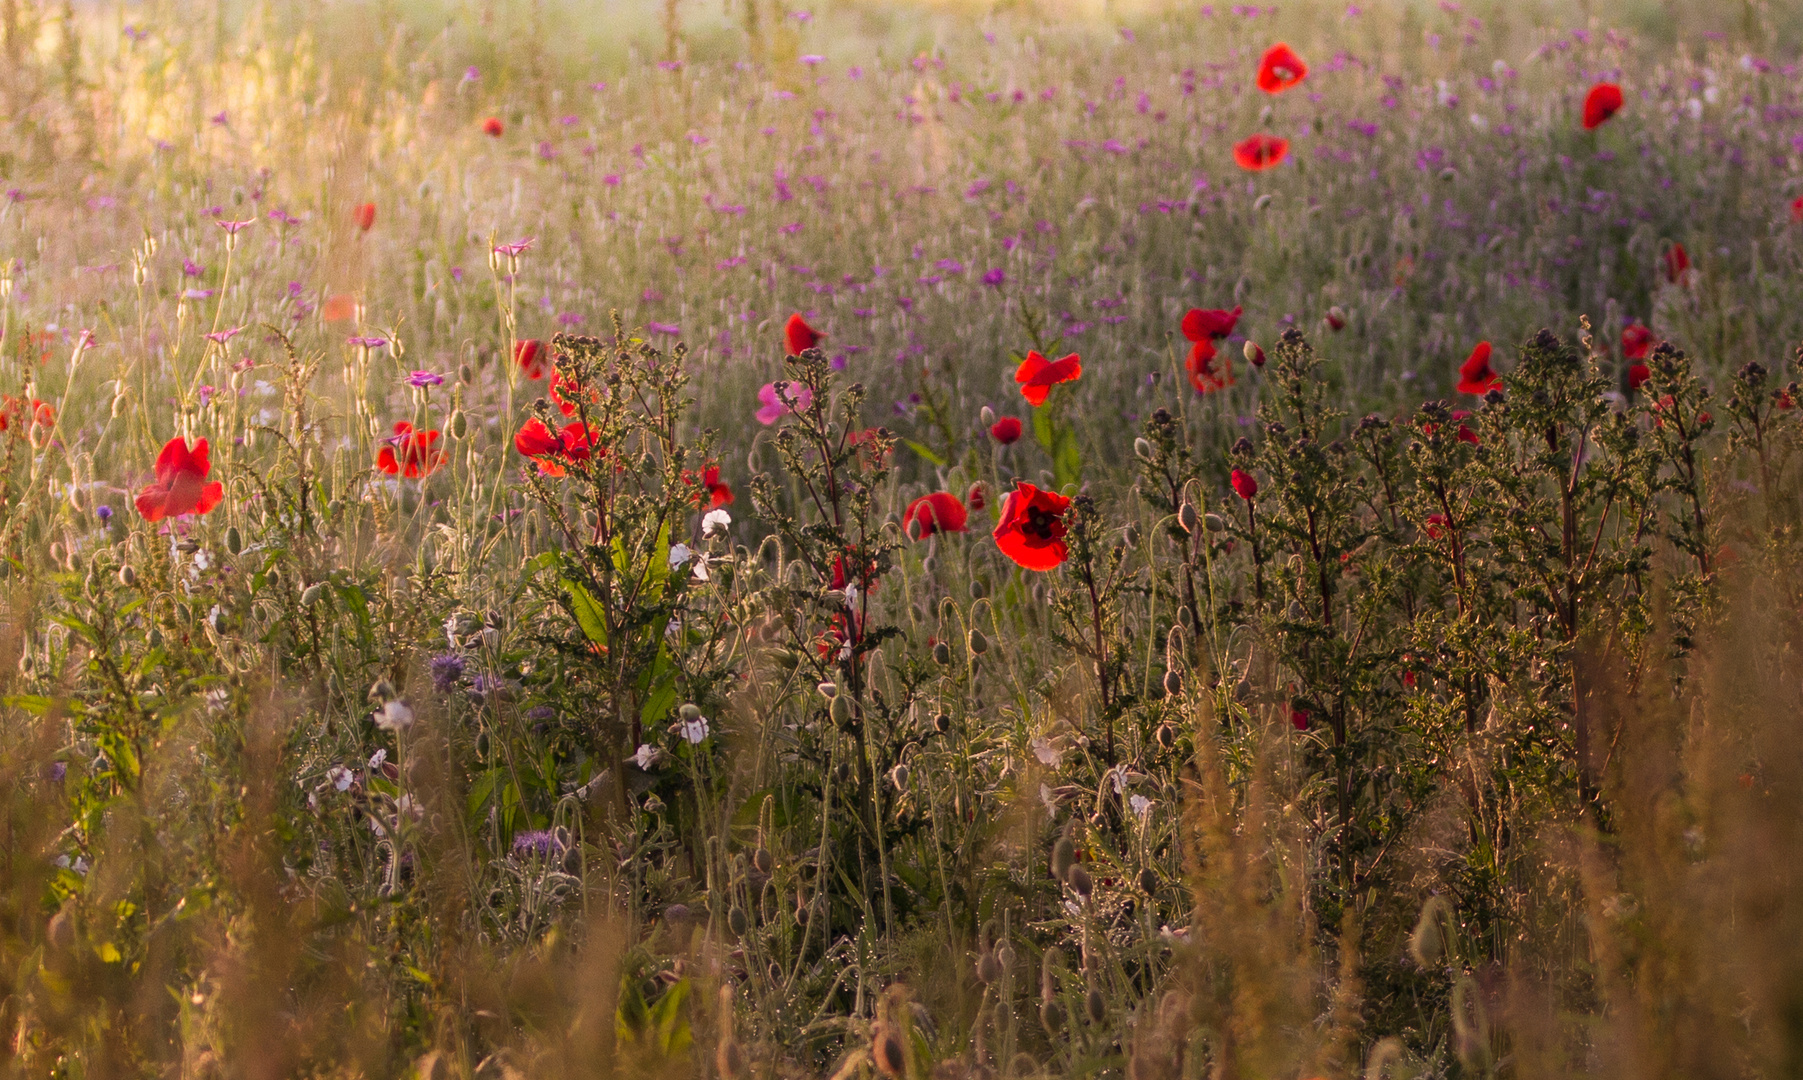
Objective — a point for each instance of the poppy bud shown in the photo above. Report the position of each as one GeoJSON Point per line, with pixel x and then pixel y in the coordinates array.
{"type": "Point", "coordinates": [690, 712]}
{"type": "Point", "coordinates": [899, 776]}
{"type": "Point", "coordinates": [828, 690]}
{"type": "Point", "coordinates": [763, 861]}
{"type": "Point", "coordinates": [978, 590]}
{"type": "Point", "coordinates": [1051, 1016]}
{"type": "Point", "coordinates": [942, 723]}
{"type": "Point", "coordinates": [886, 1048]}
{"type": "Point", "coordinates": [127, 576]}
{"type": "Point", "coordinates": [460, 425]}
{"type": "Point", "coordinates": [975, 499]}
{"type": "Point", "coordinates": [381, 690]}
{"type": "Point", "coordinates": [989, 969]}
{"type": "Point", "coordinates": [1095, 1006]}
{"type": "Point", "coordinates": [1336, 318]}
{"type": "Point", "coordinates": [1166, 736]}
{"type": "Point", "coordinates": [1143, 449]}
{"type": "Point", "coordinates": [912, 528]}
{"type": "Point", "coordinates": [234, 540]}
{"type": "Point", "coordinates": [1186, 516]}
{"type": "Point", "coordinates": [1064, 856]}
{"type": "Point", "coordinates": [840, 711]}
{"type": "Point", "coordinates": [978, 643]}
{"type": "Point", "coordinates": [1078, 879]}
{"type": "Point", "coordinates": [311, 594]}
{"type": "Point", "coordinates": [154, 639]}
{"type": "Point", "coordinates": [1261, 202]}
{"type": "Point", "coordinates": [987, 416]}
{"type": "Point", "coordinates": [1148, 881]}
{"type": "Point", "coordinates": [1213, 523]}
{"type": "Point", "coordinates": [1173, 682]}
{"type": "Point", "coordinates": [1254, 355]}
{"type": "Point", "coordinates": [1449, 173]}
{"type": "Point", "coordinates": [942, 653]}
{"type": "Point", "coordinates": [737, 921]}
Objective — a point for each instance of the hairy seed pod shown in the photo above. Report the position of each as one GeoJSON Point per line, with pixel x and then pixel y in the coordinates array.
{"type": "Point", "coordinates": [1064, 856]}
{"type": "Point", "coordinates": [312, 593]}
{"type": "Point", "coordinates": [1095, 1005]}
{"type": "Point", "coordinates": [989, 969]}
{"type": "Point", "coordinates": [942, 653]}
{"type": "Point", "coordinates": [978, 643]}
{"type": "Point", "coordinates": [1078, 879]}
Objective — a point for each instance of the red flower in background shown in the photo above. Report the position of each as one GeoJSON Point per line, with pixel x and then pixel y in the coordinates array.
{"type": "Point", "coordinates": [718, 494]}
{"type": "Point", "coordinates": [1636, 341]}
{"type": "Point", "coordinates": [565, 405]}
{"type": "Point", "coordinates": [492, 126]}
{"type": "Point", "coordinates": [939, 512]}
{"type": "Point", "coordinates": [16, 410]}
{"type": "Point", "coordinates": [1006, 430]}
{"type": "Point", "coordinates": [365, 216]}
{"type": "Point", "coordinates": [1796, 208]}
{"type": "Point", "coordinates": [1638, 374]}
{"type": "Point", "coordinates": [799, 336]}
{"type": "Point", "coordinates": [1677, 264]}
{"type": "Point", "coordinates": [1202, 326]}
{"type": "Point", "coordinates": [1280, 69]}
{"type": "Point", "coordinates": [1037, 375]}
{"type": "Point", "coordinates": [1436, 526]}
{"type": "Point", "coordinates": [1475, 376]}
{"type": "Point", "coordinates": [1260, 152]}
{"type": "Point", "coordinates": [1465, 434]}
{"type": "Point", "coordinates": [533, 358]}
{"type": "Point", "coordinates": [552, 450]}
{"type": "Point", "coordinates": [1603, 101]}
{"type": "Point", "coordinates": [181, 485]}
{"type": "Point", "coordinates": [975, 498]}
{"type": "Point", "coordinates": [1245, 485]}
{"type": "Point", "coordinates": [1031, 531]}
{"type": "Point", "coordinates": [410, 453]}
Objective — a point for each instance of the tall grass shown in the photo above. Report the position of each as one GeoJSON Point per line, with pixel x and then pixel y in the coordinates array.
{"type": "Point", "coordinates": [1437, 755]}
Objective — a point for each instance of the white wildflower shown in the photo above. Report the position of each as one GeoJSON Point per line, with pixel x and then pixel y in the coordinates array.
{"type": "Point", "coordinates": [1141, 806]}
{"type": "Point", "coordinates": [394, 716]}
{"type": "Point", "coordinates": [340, 777]}
{"type": "Point", "coordinates": [715, 522]}
{"type": "Point", "coordinates": [692, 731]}
{"type": "Point", "coordinates": [1048, 755]}
{"type": "Point", "coordinates": [647, 756]}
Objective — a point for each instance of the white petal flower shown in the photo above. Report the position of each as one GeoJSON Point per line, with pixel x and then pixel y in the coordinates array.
{"type": "Point", "coordinates": [679, 554]}
{"type": "Point", "coordinates": [1141, 805]}
{"type": "Point", "coordinates": [395, 716]}
{"type": "Point", "coordinates": [647, 756]}
{"type": "Point", "coordinates": [1047, 754]}
{"type": "Point", "coordinates": [715, 522]}
{"type": "Point", "coordinates": [339, 777]}
{"type": "Point", "coordinates": [376, 759]}
{"type": "Point", "coordinates": [693, 731]}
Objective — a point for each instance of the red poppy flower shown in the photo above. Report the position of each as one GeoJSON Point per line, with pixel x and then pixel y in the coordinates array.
{"type": "Point", "coordinates": [1408, 680]}
{"type": "Point", "coordinates": [410, 453]}
{"type": "Point", "coordinates": [1037, 375]}
{"type": "Point", "coordinates": [18, 410]}
{"type": "Point", "coordinates": [533, 358]}
{"type": "Point", "coordinates": [1280, 69]}
{"type": "Point", "coordinates": [1201, 324]}
{"type": "Point", "coordinates": [1245, 485]}
{"type": "Point", "coordinates": [1465, 434]}
{"type": "Point", "coordinates": [939, 512]}
{"type": "Point", "coordinates": [1796, 208]}
{"type": "Point", "coordinates": [553, 450]}
{"type": "Point", "coordinates": [1299, 719]}
{"type": "Point", "coordinates": [1436, 526]}
{"type": "Point", "coordinates": [365, 216]}
{"type": "Point", "coordinates": [1260, 152]}
{"type": "Point", "coordinates": [1006, 430]}
{"type": "Point", "coordinates": [1475, 376]}
{"type": "Point", "coordinates": [975, 498]}
{"type": "Point", "coordinates": [1202, 327]}
{"type": "Point", "coordinates": [492, 126]}
{"type": "Point", "coordinates": [1638, 374]}
{"type": "Point", "coordinates": [1784, 401]}
{"type": "Point", "coordinates": [1636, 341]}
{"type": "Point", "coordinates": [181, 485]}
{"type": "Point", "coordinates": [1031, 531]}
{"type": "Point", "coordinates": [341, 308]}
{"type": "Point", "coordinates": [1255, 354]}
{"type": "Point", "coordinates": [800, 336]}
{"type": "Point", "coordinates": [1677, 264]}
{"type": "Point", "coordinates": [1603, 101]}
{"type": "Point", "coordinates": [565, 405]}
{"type": "Point", "coordinates": [718, 494]}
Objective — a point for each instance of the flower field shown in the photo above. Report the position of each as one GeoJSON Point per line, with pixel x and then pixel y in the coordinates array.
{"type": "Point", "coordinates": [1176, 542]}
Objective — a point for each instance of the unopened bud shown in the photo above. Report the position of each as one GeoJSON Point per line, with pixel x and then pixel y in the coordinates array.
{"type": "Point", "coordinates": [978, 643]}
{"type": "Point", "coordinates": [1078, 879]}
{"type": "Point", "coordinates": [127, 576]}
{"type": "Point", "coordinates": [1187, 517]}
{"type": "Point", "coordinates": [899, 776]}
{"type": "Point", "coordinates": [1173, 682]}
{"type": "Point", "coordinates": [987, 416]}
{"type": "Point", "coordinates": [234, 540]}
{"type": "Point", "coordinates": [989, 969]}
{"type": "Point", "coordinates": [311, 594]}
{"type": "Point", "coordinates": [828, 690]}
{"type": "Point", "coordinates": [1143, 449]}
{"type": "Point", "coordinates": [840, 710]}
{"type": "Point", "coordinates": [1254, 355]}
{"type": "Point", "coordinates": [460, 425]}
{"type": "Point", "coordinates": [1064, 856]}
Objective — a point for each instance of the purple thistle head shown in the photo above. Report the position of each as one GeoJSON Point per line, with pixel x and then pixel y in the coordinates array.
{"type": "Point", "coordinates": [447, 669]}
{"type": "Point", "coordinates": [994, 278]}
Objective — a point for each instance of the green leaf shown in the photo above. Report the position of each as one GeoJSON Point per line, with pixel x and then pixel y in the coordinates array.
{"type": "Point", "coordinates": [669, 1027]}
{"type": "Point", "coordinates": [660, 688]}
{"type": "Point", "coordinates": [588, 613]}
{"type": "Point", "coordinates": [924, 451]}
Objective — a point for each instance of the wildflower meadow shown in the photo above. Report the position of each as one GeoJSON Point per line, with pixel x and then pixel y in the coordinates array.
{"type": "Point", "coordinates": [971, 541]}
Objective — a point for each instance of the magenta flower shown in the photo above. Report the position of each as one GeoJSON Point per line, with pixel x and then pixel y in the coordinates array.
{"type": "Point", "coordinates": [663, 328]}
{"type": "Point", "coordinates": [232, 228]}
{"type": "Point", "coordinates": [424, 378]}
{"type": "Point", "coordinates": [517, 248]}
{"type": "Point", "coordinates": [367, 342]}
{"type": "Point", "coordinates": [994, 278]}
{"type": "Point", "coordinates": [223, 336]}
{"type": "Point", "coordinates": [798, 397]}
{"type": "Point", "coordinates": [190, 268]}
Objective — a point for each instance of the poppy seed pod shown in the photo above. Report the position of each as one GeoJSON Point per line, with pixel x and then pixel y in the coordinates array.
{"type": "Point", "coordinates": [1064, 856]}
{"type": "Point", "coordinates": [1078, 879]}
{"type": "Point", "coordinates": [989, 969]}
{"type": "Point", "coordinates": [978, 643]}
